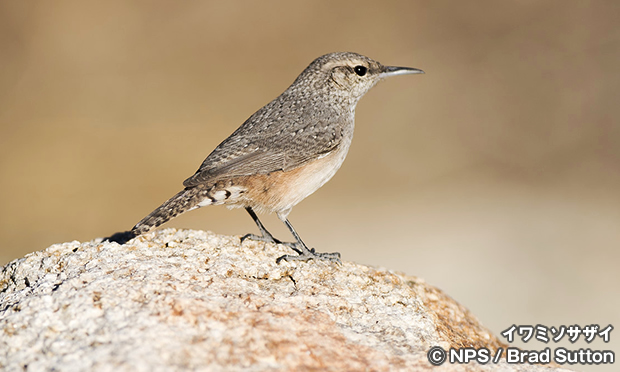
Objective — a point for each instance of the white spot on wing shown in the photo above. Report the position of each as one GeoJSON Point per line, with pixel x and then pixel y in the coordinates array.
{"type": "Point", "coordinates": [323, 155]}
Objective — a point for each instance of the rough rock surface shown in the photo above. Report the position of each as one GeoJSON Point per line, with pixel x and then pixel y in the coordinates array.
{"type": "Point", "coordinates": [176, 300]}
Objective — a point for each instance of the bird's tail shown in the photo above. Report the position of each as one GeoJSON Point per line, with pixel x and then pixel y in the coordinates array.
{"type": "Point", "coordinates": [176, 205]}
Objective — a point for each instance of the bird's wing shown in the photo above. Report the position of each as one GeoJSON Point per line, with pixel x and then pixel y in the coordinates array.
{"type": "Point", "coordinates": [236, 158]}
{"type": "Point", "coordinates": [256, 162]}
{"type": "Point", "coordinates": [274, 138]}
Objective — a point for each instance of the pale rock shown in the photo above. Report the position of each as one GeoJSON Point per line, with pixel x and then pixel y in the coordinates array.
{"type": "Point", "coordinates": [192, 300]}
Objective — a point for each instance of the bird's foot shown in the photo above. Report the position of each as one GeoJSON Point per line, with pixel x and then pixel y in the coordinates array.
{"type": "Point", "coordinates": [306, 254]}
{"type": "Point", "coordinates": [270, 239]}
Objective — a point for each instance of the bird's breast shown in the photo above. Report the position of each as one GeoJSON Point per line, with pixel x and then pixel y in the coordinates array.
{"type": "Point", "coordinates": [281, 190]}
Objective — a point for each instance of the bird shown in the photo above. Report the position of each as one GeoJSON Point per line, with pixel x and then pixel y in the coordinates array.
{"type": "Point", "coordinates": [283, 152]}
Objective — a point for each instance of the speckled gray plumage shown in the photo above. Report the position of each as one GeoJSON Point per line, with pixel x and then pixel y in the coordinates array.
{"type": "Point", "coordinates": [309, 119]}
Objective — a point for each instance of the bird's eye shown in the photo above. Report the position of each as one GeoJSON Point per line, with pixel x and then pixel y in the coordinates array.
{"type": "Point", "coordinates": [360, 70]}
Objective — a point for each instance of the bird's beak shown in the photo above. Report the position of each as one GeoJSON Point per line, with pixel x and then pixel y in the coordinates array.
{"type": "Point", "coordinates": [393, 71]}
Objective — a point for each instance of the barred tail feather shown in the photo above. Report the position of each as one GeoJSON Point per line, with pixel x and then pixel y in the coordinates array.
{"type": "Point", "coordinates": [186, 200]}
{"type": "Point", "coordinates": [178, 204]}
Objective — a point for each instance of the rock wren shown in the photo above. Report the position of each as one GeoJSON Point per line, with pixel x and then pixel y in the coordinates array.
{"type": "Point", "coordinates": [284, 152]}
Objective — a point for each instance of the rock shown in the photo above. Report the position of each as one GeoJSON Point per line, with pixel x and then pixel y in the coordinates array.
{"type": "Point", "coordinates": [175, 300]}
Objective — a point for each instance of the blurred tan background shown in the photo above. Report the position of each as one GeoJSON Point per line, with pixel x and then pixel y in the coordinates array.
{"type": "Point", "coordinates": [495, 176]}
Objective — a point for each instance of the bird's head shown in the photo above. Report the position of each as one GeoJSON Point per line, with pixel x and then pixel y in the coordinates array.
{"type": "Point", "coordinates": [347, 73]}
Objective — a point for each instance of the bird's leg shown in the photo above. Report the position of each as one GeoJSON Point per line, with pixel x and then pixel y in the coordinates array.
{"type": "Point", "coordinates": [306, 254]}
{"type": "Point", "coordinates": [265, 235]}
